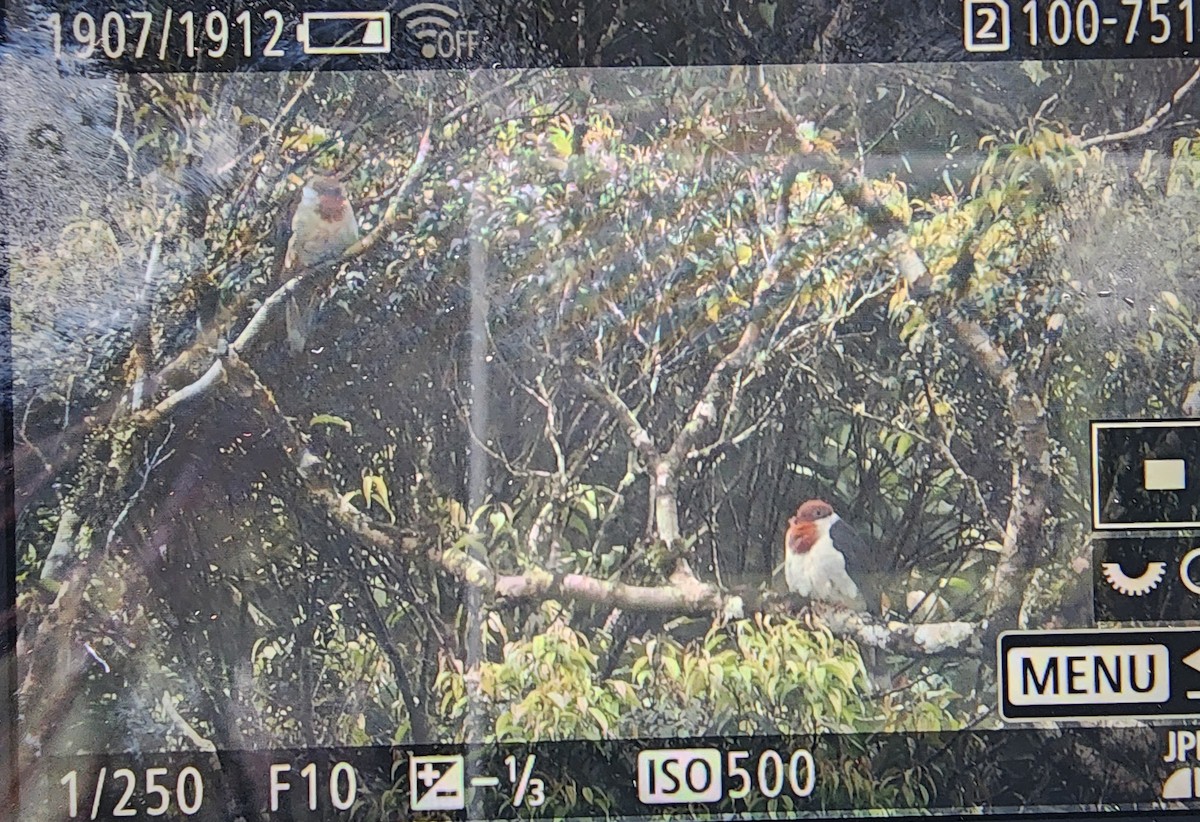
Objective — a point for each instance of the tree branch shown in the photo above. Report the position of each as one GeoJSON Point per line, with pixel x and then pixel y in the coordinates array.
{"type": "Point", "coordinates": [1151, 122]}
{"type": "Point", "coordinates": [1031, 473]}
{"type": "Point", "coordinates": [685, 594]}
{"type": "Point", "coordinates": [921, 639]}
{"type": "Point", "coordinates": [638, 435]}
{"type": "Point", "coordinates": [704, 412]}
{"type": "Point", "coordinates": [857, 191]}
{"type": "Point", "coordinates": [379, 536]}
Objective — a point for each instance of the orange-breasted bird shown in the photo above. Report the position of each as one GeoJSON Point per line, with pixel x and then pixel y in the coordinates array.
{"type": "Point", "coordinates": [323, 226]}
{"type": "Point", "coordinates": [825, 560]}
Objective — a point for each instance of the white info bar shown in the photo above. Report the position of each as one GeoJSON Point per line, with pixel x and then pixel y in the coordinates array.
{"type": "Point", "coordinates": [1088, 675]}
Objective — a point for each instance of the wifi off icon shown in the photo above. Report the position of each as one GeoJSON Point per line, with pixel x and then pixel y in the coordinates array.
{"type": "Point", "coordinates": [438, 28]}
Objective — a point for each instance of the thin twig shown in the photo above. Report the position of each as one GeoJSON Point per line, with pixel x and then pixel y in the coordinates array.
{"type": "Point", "coordinates": [151, 463]}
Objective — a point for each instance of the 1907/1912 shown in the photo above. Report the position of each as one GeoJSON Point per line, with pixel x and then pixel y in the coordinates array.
{"type": "Point", "coordinates": [147, 35]}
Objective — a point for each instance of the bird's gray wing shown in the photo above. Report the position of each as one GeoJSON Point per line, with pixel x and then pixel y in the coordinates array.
{"type": "Point", "coordinates": [862, 563]}
{"type": "Point", "coordinates": [281, 233]}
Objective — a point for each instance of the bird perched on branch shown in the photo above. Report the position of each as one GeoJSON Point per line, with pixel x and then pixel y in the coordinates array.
{"type": "Point", "coordinates": [825, 560]}
{"type": "Point", "coordinates": [322, 227]}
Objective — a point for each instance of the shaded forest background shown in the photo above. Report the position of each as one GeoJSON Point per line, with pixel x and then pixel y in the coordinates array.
{"type": "Point", "coordinates": [605, 331]}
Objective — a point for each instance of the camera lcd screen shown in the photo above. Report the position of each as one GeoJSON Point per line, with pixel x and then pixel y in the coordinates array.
{"type": "Point", "coordinates": [604, 410]}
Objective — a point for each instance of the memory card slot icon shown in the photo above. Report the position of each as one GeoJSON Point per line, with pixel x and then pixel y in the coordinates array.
{"type": "Point", "coordinates": [345, 32]}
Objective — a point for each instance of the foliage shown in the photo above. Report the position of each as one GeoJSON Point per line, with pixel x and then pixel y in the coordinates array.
{"type": "Point", "coordinates": [765, 676]}
{"type": "Point", "coordinates": [582, 252]}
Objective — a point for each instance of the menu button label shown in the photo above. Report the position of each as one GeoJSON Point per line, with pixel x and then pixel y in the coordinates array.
{"type": "Point", "coordinates": [1075, 674]}
{"type": "Point", "coordinates": [1089, 675]}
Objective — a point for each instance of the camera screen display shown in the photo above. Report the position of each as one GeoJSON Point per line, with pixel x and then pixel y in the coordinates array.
{"type": "Point", "coordinates": [739, 410]}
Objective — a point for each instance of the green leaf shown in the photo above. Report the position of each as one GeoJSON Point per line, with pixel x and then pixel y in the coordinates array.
{"type": "Point", "coordinates": [1035, 71]}
{"type": "Point", "coordinates": [330, 419]}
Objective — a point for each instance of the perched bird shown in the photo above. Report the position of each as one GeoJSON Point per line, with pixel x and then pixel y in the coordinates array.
{"type": "Point", "coordinates": [323, 226]}
{"type": "Point", "coordinates": [825, 560]}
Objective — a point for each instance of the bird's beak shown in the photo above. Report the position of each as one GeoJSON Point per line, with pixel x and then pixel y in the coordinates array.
{"type": "Point", "coordinates": [834, 518]}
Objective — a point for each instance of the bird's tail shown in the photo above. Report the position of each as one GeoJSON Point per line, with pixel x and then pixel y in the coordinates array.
{"type": "Point", "coordinates": [879, 680]}
{"type": "Point", "coordinates": [299, 324]}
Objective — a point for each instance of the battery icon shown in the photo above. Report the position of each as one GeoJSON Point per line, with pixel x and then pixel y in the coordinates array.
{"type": "Point", "coordinates": [345, 32]}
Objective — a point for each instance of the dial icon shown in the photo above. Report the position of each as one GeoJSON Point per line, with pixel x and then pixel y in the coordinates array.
{"type": "Point", "coordinates": [1137, 586]}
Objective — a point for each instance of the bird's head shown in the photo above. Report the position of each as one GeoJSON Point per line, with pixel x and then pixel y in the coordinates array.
{"type": "Point", "coordinates": [817, 512]}
{"type": "Point", "coordinates": [327, 195]}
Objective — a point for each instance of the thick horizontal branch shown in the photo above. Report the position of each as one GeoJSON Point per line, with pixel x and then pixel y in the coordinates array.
{"type": "Point", "coordinates": [685, 595]}
{"type": "Point", "coordinates": [913, 639]}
